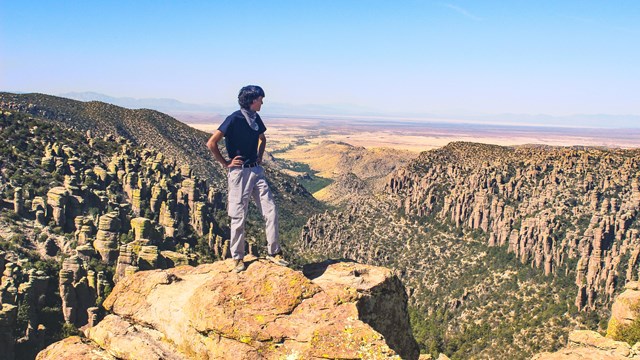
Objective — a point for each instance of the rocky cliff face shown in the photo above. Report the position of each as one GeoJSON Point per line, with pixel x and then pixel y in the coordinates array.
{"type": "Point", "coordinates": [546, 205]}
{"type": "Point", "coordinates": [355, 171]}
{"type": "Point", "coordinates": [330, 310]}
{"type": "Point", "coordinates": [570, 213]}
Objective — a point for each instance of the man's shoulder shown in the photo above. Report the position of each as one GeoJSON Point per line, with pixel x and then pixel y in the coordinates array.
{"type": "Point", "coordinates": [230, 120]}
{"type": "Point", "coordinates": [235, 115]}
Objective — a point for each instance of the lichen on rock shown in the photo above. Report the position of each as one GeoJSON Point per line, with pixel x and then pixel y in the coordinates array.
{"type": "Point", "coordinates": [266, 312]}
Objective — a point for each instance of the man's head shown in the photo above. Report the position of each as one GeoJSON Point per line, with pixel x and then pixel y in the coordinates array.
{"type": "Point", "coordinates": [251, 95]}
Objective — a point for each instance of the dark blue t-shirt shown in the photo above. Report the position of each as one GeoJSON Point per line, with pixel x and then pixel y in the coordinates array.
{"type": "Point", "coordinates": [240, 138]}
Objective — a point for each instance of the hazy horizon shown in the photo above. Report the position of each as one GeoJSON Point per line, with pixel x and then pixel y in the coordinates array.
{"type": "Point", "coordinates": [175, 107]}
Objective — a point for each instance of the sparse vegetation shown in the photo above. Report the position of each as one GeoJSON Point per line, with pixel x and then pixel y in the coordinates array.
{"type": "Point", "coordinates": [42, 149]}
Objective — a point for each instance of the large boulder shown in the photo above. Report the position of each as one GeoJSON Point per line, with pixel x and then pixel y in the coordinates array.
{"type": "Point", "coordinates": [333, 310]}
{"type": "Point", "coordinates": [624, 309]}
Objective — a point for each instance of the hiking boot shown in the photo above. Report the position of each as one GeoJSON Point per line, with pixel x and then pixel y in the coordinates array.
{"type": "Point", "coordinates": [278, 259]}
{"type": "Point", "coordinates": [239, 266]}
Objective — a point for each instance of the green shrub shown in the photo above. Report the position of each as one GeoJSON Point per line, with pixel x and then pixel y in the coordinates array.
{"type": "Point", "coordinates": [628, 333]}
{"type": "Point", "coordinates": [13, 215]}
{"type": "Point", "coordinates": [69, 330]}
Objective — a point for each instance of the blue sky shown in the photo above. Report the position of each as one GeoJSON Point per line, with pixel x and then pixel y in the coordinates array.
{"type": "Point", "coordinates": [390, 57]}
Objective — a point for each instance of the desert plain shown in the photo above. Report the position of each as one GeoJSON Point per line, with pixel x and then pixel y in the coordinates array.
{"type": "Point", "coordinates": [420, 135]}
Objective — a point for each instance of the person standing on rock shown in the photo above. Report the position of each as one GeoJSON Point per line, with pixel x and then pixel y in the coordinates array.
{"type": "Point", "coordinates": [245, 141]}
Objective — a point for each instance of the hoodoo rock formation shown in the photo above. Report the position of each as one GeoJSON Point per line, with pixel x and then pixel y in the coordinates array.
{"type": "Point", "coordinates": [548, 206]}
{"type": "Point", "coordinates": [461, 223]}
{"type": "Point", "coordinates": [107, 200]}
{"type": "Point", "coordinates": [331, 310]}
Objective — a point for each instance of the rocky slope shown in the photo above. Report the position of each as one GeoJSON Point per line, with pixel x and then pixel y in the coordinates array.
{"type": "Point", "coordinates": [466, 224]}
{"type": "Point", "coordinates": [335, 310]}
{"type": "Point", "coordinates": [157, 132]}
{"type": "Point", "coordinates": [143, 127]}
{"type": "Point", "coordinates": [355, 170]}
{"type": "Point", "coordinates": [78, 212]}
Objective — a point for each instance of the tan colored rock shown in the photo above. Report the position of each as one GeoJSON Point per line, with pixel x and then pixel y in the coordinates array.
{"type": "Point", "coordinates": [85, 252]}
{"type": "Point", "coordinates": [148, 257]}
{"type": "Point", "coordinates": [84, 229]}
{"type": "Point", "coordinates": [18, 201]}
{"type": "Point", "coordinates": [625, 309]}
{"type": "Point", "coordinates": [136, 201]}
{"type": "Point", "coordinates": [106, 243]}
{"type": "Point", "coordinates": [101, 173]}
{"type": "Point", "coordinates": [198, 216]}
{"type": "Point", "coordinates": [268, 312]}
{"type": "Point", "coordinates": [142, 228]}
{"type": "Point", "coordinates": [8, 316]}
{"type": "Point", "coordinates": [57, 199]}
{"type": "Point", "coordinates": [385, 303]}
{"type": "Point", "coordinates": [71, 184]}
{"type": "Point", "coordinates": [109, 222]}
{"type": "Point", "coordinates": [589, 345]}
{"type": "Point", "coordinates": [174, 259]}
{"type": "Point", "coordinates": [126, 259]}
{"type": "Point", "coordinates": [129, 341]}
{"type": "Point", "coordinates": [185, 171]}
{"type": "Point", "coordinates": [188, 192]}
{"type": "Point", "coordinates": [74, 348]}
{"type": "Point", "coordinates": [76, 291]}
{"type": "Point", "coordinates": [158, 194]}
{"type": "Point", "coordinates": [48, 163]}
{"type": "Point", "coordinates": [166, 218]}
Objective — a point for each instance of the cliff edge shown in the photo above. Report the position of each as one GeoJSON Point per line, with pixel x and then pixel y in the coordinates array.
{"type": "Point", "coordinates": [330, 310]}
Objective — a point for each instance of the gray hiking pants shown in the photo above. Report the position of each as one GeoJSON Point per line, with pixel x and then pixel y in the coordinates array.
{"type": "Point", "coordinates": [243, 184]}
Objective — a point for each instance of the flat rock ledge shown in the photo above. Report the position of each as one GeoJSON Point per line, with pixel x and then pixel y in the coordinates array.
{"type": "Point", "coordinates": [331, 310]}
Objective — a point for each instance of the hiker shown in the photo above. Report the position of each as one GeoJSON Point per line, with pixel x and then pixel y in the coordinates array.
{"type": "Point", "coordinates": [243, 132]}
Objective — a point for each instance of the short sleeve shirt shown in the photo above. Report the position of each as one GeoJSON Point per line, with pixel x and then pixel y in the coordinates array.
{"type": "Point", "coordinates": [240, 138]}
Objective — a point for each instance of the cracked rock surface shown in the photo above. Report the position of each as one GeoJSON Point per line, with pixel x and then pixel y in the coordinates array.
{"type": "Point", "coordinates": [340, 310]}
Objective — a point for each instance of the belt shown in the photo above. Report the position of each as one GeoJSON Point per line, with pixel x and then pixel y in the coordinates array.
{"type": "Point", "coordinates": [250, 165]}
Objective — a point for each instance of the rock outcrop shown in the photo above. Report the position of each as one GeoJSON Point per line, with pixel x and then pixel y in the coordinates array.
{"type": "Point", "coordinates": [335, 310]}
{"type": "Point", "coordinates": [468, 209]}
{"type": "Point", "coordinates": [545, 205]}
{"type": "Point", "coordinates": [589, 345]}
{"type": "Point", "coordinates": [625, 309]}
{"type": "Point", "coordinates": [77, 292]}
{"type": "Point", "coordinates": [21, 293]}
{"type": "Point", "coordinates": [585, 344]}
{"type": "Point", "coordinates": [106, 242]}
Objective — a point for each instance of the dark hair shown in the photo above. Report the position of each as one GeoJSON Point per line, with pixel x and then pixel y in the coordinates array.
{"type": "Point", "coordinates": [248, 94]}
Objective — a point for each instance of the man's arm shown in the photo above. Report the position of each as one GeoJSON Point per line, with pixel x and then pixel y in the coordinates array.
{"type": "Point", "coordinates": [262, 143]}
{"type": "Point", "coordinates": [212, 144]}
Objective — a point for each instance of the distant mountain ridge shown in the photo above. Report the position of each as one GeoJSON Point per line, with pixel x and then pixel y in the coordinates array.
{"type": "Point", "coordinates": [160, 104]}
{"type": "Point", "coordinates": [176, 106]}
